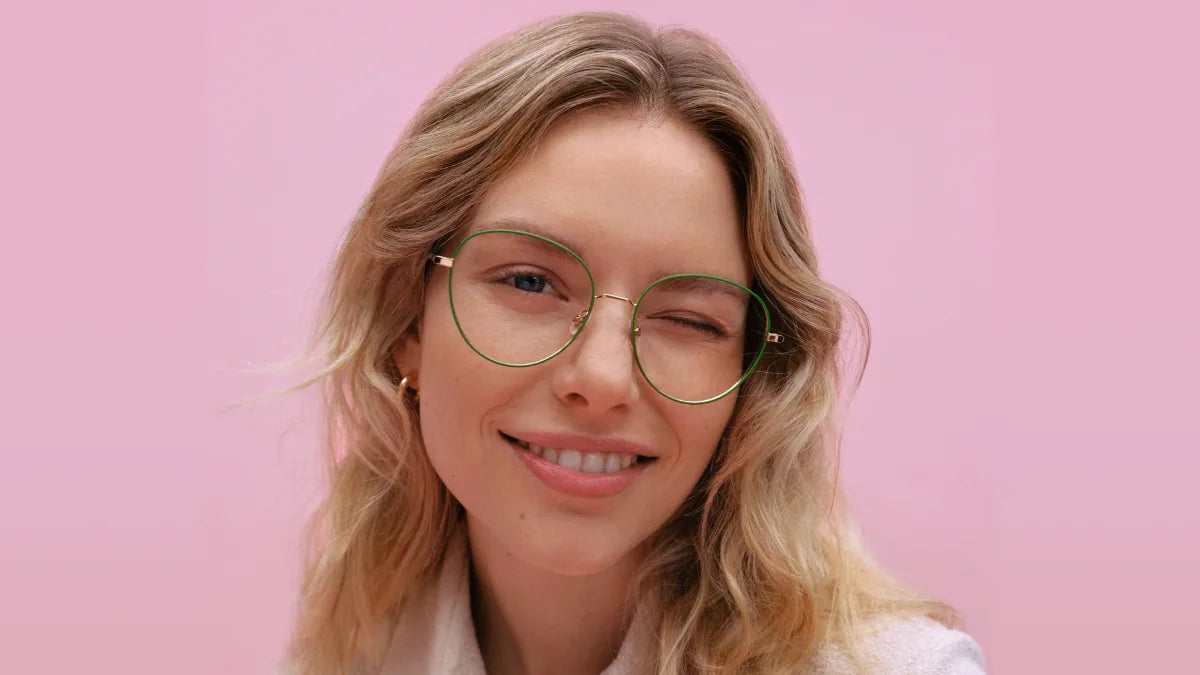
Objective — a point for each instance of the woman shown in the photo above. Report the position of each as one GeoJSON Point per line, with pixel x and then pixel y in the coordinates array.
{"type": "Point", "coordinates": [581, 379]}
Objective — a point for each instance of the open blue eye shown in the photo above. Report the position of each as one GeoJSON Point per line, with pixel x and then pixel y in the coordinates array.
{"type": "Point", "coordinates": [530, 283]}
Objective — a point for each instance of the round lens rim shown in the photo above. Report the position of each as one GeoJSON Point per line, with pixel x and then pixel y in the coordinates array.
{"type": "Point", "coordinates": [753, 364]}
{"type": "Point", "coordinates": [457, 324]}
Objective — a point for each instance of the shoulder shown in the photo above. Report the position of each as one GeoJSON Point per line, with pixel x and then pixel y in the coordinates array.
{"type": "Point", "coordinates": [912, 646]}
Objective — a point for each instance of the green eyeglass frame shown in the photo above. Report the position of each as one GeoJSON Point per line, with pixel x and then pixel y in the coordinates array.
{"type": "Point", "coordinates": [584, 316]}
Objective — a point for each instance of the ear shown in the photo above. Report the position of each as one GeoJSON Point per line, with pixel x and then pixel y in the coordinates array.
{"type": "Point", "coordinates": [407, 354]}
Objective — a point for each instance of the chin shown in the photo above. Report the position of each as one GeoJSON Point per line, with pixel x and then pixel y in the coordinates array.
{"type": "Point", "coordinates": [576, 556]}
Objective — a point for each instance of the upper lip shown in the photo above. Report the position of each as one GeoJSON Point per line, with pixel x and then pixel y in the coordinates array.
{"type": "Point", "coordinates": [560, 441]}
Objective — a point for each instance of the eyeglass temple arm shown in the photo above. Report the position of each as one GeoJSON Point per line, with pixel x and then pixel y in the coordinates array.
{"type": "Point", "coordinates": [441, 260]}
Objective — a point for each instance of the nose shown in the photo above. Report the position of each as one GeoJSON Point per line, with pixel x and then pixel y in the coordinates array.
{"type": "Point", "coordinates": [597, 372]}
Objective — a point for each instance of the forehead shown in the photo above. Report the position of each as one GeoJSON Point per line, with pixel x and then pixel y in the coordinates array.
{"type": "Point", "coordinates": [633, 198]}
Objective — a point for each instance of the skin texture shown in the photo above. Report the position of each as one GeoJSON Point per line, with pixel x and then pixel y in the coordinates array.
{"type": "Point", "coordinates": [637, 199]}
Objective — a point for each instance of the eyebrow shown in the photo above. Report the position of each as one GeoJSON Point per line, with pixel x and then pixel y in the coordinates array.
{"type": "Point", "coordinates": [705, 285]}
{"type": "Point", "coordinates": [523, 225]}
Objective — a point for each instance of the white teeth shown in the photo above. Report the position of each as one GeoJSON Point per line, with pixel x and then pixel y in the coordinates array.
{"type": "Point", "coordinates": [612, 464]}
{"type": "Point", "coordinates": [593, 463]}
{"type": "Point", "coordinates": [574, 460]}
{"type": "Point", "coordinates": [570, 459]}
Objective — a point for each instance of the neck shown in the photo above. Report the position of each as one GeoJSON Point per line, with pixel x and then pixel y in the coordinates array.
{"type": "Point", "coordinates": [529, 621]}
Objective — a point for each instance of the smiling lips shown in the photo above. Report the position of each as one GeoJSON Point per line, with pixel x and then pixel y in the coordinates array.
{"type": "Point", "coordinates": [581, 466]}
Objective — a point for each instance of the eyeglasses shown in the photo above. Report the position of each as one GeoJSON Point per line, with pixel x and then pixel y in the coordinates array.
{"type": "Point", "coordinates": [520, 299]}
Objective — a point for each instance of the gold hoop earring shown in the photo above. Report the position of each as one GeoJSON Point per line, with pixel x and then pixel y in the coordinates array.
{"type": "Point", "coordinates": [407, 390]}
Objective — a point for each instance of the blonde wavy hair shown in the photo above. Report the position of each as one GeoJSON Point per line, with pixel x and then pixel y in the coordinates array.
{"type": "Point", "coordinates": [761, 565]}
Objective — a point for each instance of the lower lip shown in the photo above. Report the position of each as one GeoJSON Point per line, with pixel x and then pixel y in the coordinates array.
{"type": "Point", "coordinates": [576, 483]}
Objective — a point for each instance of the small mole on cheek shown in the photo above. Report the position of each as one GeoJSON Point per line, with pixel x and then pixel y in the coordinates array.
{"type": "Point", "coordinates": [522, 515]}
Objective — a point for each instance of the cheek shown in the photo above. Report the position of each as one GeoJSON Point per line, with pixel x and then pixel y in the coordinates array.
{"type": "Point", "coordinates": [710, 420]}
{"type": "Point", "coordinates": [459, 393]}
{"type": "Point", "coordinates": [446, 404]}
{"type": "Point", "coordinates": [453, 408]}
{"type": "Point", "coordinates": [699, 431]}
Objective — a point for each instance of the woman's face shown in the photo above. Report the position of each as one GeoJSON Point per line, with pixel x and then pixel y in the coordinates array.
{"type": "Point", "coordinates": [637, 201]}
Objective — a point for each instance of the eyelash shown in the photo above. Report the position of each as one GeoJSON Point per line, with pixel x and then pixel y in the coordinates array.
{"type": "Point", "coordinates": [700, 326]}
{"type": "Point", "coordinates": [509, 279]}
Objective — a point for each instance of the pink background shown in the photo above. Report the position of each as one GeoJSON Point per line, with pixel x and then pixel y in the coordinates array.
{"type": "Point", "coordinates": [1009, 195]}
